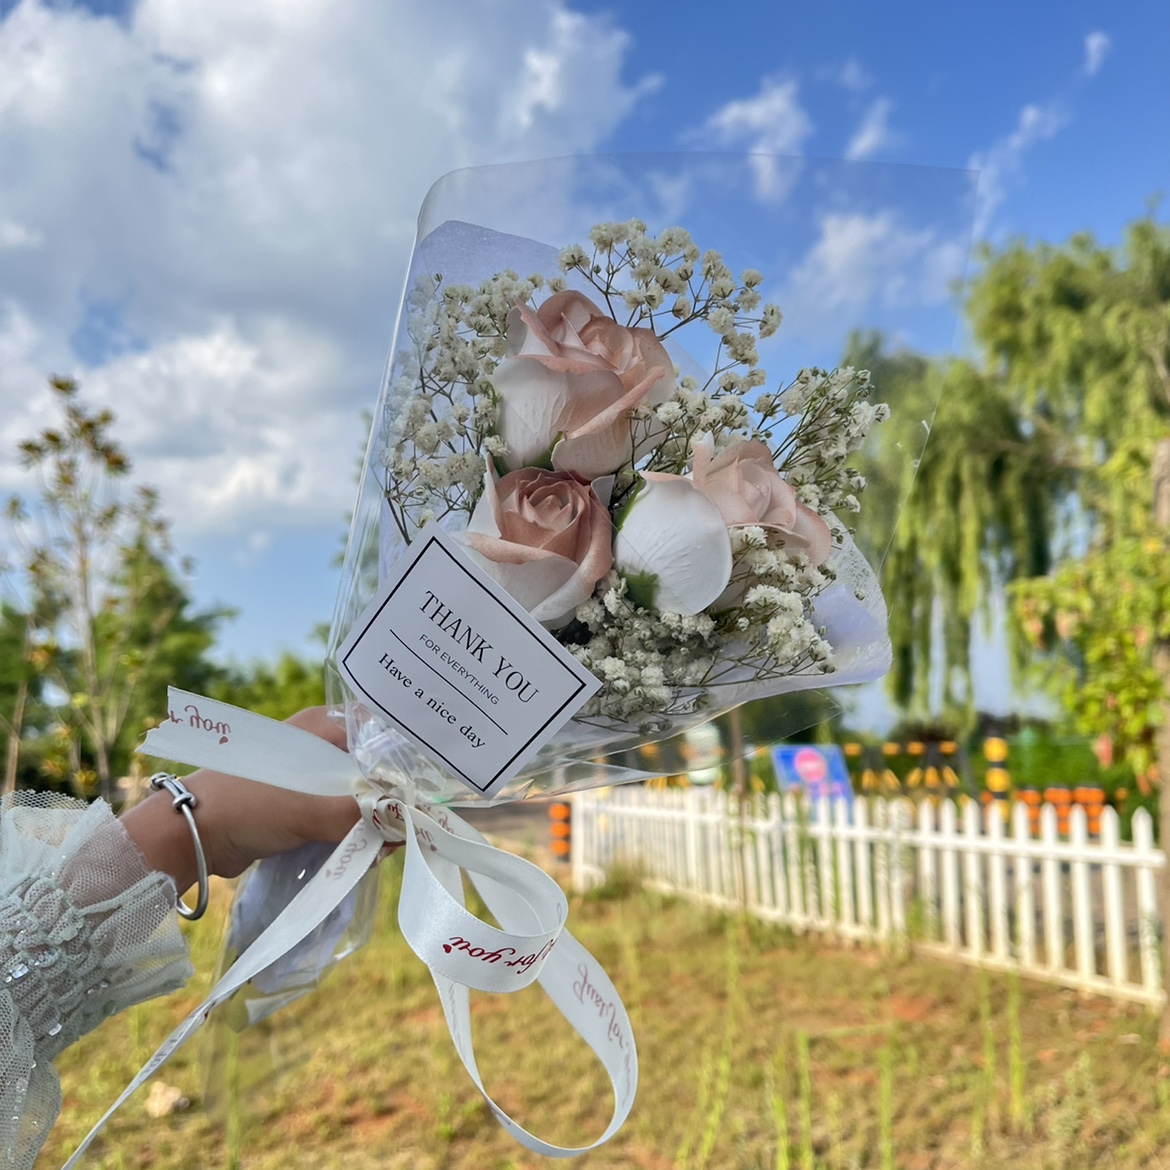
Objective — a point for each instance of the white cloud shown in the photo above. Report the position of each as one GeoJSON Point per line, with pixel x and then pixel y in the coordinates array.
{"type": "Point", "coordinates": [1097, 47]}
{"type": "Point", "coordinates": [851, 76]}
{"type": "Point", "coordinates": [228, 192]}
{"type": "Point", "coordinates": [873, 135]}
{"type": "Point", "coordinates": [1001, 165]}
{"type": "Point", "coordinates": [236, 430]}
{"type": "Point", "coordinates": [770, 123]}
{"type": "Point", "coordinates": [870, 263]}
{"type": "Point", "coordinates": [16, 235]}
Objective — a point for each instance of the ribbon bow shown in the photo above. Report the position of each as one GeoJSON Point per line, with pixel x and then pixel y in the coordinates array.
{"type": "Point", "coordinates": [460, 950]}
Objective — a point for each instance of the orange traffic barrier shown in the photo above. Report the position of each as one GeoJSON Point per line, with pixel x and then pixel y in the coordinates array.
{"type": "Point", "coordinates": [1032, 799]}
{"type": "Point", "coordinates": [1062, 800]}
{"type": "Point", "coordinates": [1092, 800]}
{"type": "Point", "coordinates": [560, 830]}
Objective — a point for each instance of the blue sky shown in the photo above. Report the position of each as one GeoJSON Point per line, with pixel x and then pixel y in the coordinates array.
{"type": "Point", "coordinates": [206, 210]}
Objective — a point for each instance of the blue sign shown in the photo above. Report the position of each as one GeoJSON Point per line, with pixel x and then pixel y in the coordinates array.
{"type": "Point", "coordinates": [816, 770]}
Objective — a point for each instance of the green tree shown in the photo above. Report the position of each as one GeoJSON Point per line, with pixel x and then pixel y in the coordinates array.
{"type": "Point", "coordinates": [111, 609]}
{"type": "Point", "coordinates": [20, 686]}
{"type": "Point", "coordinates": [985, 507]}
{"type": "Point", "coordinates": [1082, 333]}
{"type": "Point", "coordinates": [277, 690]}
{"type": "Point", "coordinates": [1060, 450]}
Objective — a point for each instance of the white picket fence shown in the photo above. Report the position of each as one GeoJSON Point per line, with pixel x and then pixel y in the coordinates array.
{"type": "Point", "coordinates": [1075, 910]}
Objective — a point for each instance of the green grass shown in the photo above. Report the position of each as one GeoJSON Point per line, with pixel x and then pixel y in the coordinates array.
{"type": "Point", "coordinates": [757, 1049]}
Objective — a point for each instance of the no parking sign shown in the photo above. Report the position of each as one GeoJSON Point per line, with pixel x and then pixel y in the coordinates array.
{"type": "Point", "coordinates": [816, 770]}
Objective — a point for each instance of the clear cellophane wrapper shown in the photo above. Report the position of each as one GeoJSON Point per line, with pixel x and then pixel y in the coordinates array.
{"type": "Point", "coordinates": [847, 250]}
{"type": "Point", "coordinates": [789, 218]}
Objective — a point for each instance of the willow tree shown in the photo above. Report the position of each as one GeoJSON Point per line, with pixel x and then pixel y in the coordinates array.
{"type": "Point", "coordinates": [979, 508]}
{"type": "Point", "coordinates": [1065, 417]}
{"type": "Point", "coordinates": [1082, 333]}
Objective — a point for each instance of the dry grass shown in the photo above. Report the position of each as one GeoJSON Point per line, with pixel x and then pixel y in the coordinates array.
{"type": "Point", "coordinates": [748, 1037]}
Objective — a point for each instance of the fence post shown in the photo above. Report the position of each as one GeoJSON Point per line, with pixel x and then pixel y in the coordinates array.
{"type": "Point", "coordinates": [898, 818]}
{"type": "Point", "coordinates": [792, 851]}
{"type": "Point", "coordinates": [949, 858]}
{"type": "Point", "coordinates": [1022, 820]}
{"type": "Point", "coordinates": [998, 888]}
{"type": "Point", "coordinates": [776, 856]}
{"type": "Point", "coordinates": [1082, 907]}
{"type": "Point", "coordinates": [1147, 898]}
{"type": "Point", "coordinates": [881, 822]}
{"type": "Point", "coordinates": [846, 918]}
{"type": "Point", "coordinates": [690, 824]}
{"type": "Point", "coordinates": [830, 911]}
{"type": "Point", "coordinates": [1053, 911]}
{"type": "Point", "coordinates": [928, 871]}
{"type": "Point", "coordinates": [763, 842]}
{"type": "Point", "coordinates": [1113, 904]}
{"type": "Point", "coordinates": [578, 856]}
{"type": "Point", "coordinates": [973, 881]}
{"type": "Point", "coordinates": [861, 856]}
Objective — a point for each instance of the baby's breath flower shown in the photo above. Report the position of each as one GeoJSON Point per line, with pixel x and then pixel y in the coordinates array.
{"type": "Point", "coordinates": [572, 257]}
{"type": "Point", "coordinates": [713, 267]}
{"type": "Point", "coordinates": [673, 240]}
{"type": "Point", "coordinates": [742, 348]}
{"type": "Point", "coordinates": [606, 235]}
{"type": "Point", "coordinates": [747, 299]}
{"type": "Point", "coordinates": [770, 320]}
{"type": "Point", "coordinates": [440, 427]}
{"type": "Point", "coordinates": [722, 321]}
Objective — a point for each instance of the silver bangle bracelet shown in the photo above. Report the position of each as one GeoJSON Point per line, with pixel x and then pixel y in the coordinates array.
{"type": "Point", "coordinates": [184, 801]}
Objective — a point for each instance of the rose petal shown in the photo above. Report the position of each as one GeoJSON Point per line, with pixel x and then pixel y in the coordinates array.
{"type": "Point", "coordinates": [545, 538]}
{"type": "Point", "coordinates": [575, 309]}
{"type": "Point", "coordinates": [572, 371]}
{"type": "Point", "coordinates": [675, 534]}
{"type": "Point", "coordinates": [532, 582]}
{"type": "Point", "coordinates": [810, 535]}
{"type": "Point", "coordinates": [532, 400]}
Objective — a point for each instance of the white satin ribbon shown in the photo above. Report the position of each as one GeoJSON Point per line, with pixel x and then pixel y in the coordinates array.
{"type": "Point", "coordinates": [460, 950]}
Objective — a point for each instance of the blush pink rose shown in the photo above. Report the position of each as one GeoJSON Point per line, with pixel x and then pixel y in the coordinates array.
{"type": "Point", "coordinates": [743, 482]}
{"type": "Point", "coordinates": [570, 378]}
{"type": "Point", "coordinates": [544, 536]}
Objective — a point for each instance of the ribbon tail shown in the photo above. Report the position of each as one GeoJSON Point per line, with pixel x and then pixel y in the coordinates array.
{"type": "Point", "coordinates": [570, 976]}
{"type": "Point", "coordinates": [209, 734]}
{"type": "Point", "coordinates": [303, 914]}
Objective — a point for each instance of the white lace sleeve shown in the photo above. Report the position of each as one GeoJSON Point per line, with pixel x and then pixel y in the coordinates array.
{"type": "Point", "coordinates": [86, 930]}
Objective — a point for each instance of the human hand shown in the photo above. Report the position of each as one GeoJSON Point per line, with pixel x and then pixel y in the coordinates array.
{"type": "Point", "coordinates": [239, 821]}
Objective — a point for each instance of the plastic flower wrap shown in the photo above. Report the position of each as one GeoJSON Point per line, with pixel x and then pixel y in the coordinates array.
{"type": "Point", "coordinates": [616, 484]}
{"type": "Point", "coordinates": [605, 423]}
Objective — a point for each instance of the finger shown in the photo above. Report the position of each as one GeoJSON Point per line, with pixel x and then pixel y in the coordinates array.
{"type": "Point", "coordinates": [329, 818]}
{"type": "Point", "coordinates": [318, 721]}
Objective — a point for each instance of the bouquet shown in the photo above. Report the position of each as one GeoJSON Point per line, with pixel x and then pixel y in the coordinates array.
{"type": "Point", "coordinates": [682, 534]}
{"type": "Point", "coordinates": [589, 517]}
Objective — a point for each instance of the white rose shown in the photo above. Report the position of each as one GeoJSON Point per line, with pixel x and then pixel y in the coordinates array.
{"type": "Point", "coordinates": [672, 545]}
{"type": "Point", "coordinates": [569, 380]}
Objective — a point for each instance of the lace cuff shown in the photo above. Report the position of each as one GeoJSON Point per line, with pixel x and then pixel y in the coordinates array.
{"type": "Point", "coordinates": [86, 930]}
